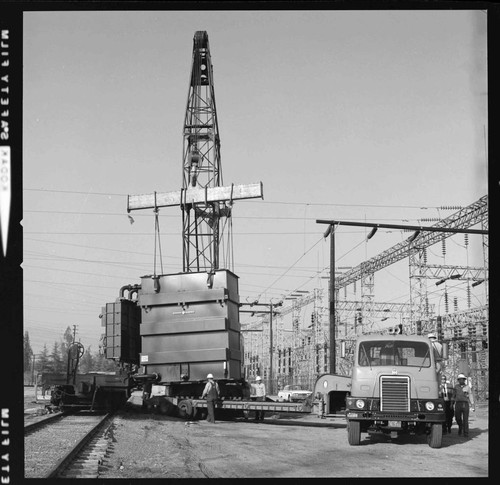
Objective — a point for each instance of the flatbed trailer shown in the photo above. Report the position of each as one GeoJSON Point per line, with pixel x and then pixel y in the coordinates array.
{"type": "Point", "coordinates": [192, 408]}
{"type": "Point", "coordinates": [271, 406]}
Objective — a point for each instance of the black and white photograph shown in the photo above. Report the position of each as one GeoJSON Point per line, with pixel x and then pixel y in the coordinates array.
{"type": "Point", "coordinates": [245, 242]}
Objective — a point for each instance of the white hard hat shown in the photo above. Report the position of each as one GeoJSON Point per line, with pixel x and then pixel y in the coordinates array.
{"type": "Point", "coordinates": [210, 376]}
{"type": "Point", "coordinates": [257, 378]}
{"type": "Point", "coordinates": [461, 376]}
{"type": "Point", "coordinates": [431, 335]}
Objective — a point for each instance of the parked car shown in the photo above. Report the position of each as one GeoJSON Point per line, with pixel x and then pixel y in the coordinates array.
{"type": "Point", "coordinates": [293, 393]}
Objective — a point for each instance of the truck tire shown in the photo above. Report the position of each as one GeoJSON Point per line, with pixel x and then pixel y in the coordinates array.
{"type": "Point", "coordinates": [435, 437]}
{"type": "Point", "coordinates": [185, 409]}
{"type": "Point", "coordinates": [354, 432]}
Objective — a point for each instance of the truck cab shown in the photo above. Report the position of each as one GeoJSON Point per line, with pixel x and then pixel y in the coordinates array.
{"type": "Point", "coordinates": [395, 388]}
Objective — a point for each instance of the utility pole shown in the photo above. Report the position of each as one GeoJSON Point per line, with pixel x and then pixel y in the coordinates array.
{"type": "Point", "coordinates": [269, 312]}
{"type": "Point", "coordinates": [330, 231]}
{"type": "Point", "coordinates": [33, 373]}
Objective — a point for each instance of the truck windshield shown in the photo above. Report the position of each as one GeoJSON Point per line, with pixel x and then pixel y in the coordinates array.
{"type": "Point", "coordinates": [389, 352]}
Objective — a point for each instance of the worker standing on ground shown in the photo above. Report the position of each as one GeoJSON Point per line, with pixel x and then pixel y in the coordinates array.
{"type": "Point", "coordinates": [447, 392]}
{"type": "Point", "coordinates": [260, 395]}
{"type": "Point", "coordinates": [463, 398]}
{"type": "Point", "coordinates": [211, 394]}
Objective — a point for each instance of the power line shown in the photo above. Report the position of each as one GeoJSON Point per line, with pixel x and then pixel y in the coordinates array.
{"type": "Point", "coordinates": [290, 267]}
{"type": "Point", "coordinates": [176, 234]}
{"type": "Point", "coordinates": [93, 247]}
{"type": "Point", "coordinates": [236, 217]}
{"type": "Point", "coordinates": [321, 204]}
{"type": "Point", "coordinates": [73, 192]}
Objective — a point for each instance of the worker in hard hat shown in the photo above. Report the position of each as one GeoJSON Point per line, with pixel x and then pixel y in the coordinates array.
{"type": "Point", "coordinates": [260, 395]}
{"type": "Point", "coordinates": [463, 399]}
{"type": "Point", "coordinates": [211, 393]}
{"type": "Point", "coordinates": [436, 344]}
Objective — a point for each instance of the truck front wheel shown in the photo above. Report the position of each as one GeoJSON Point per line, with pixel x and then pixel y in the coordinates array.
{"type": "Point", "coordinates": [353, 432]}
{"type": "Point", "coordinates": [435, 437]}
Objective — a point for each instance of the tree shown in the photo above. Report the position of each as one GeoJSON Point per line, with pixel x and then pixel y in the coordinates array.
{"type": "Point", "coordinates": [55, 358]}
{"type": "Point", "coordinates": [103, 364]}
{"type": "Point", "coordinates": [87, 361]}
{"type": "Point", "coordinates": [28, 352]}
{"type": "Point", "coordinates": [67, 340]}
{"type": "Point", "coordinates": [43, 364]}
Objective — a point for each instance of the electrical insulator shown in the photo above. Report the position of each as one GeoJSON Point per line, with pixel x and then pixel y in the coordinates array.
{"type": "Point", "coordinates": [443, 246]}
{"type": "Point", "coordinates": [446, 307]}
{"type": "Point", "coordinates": [439, 329]}
{"type": "Point", "coordinates": [313, 317]}
{"type": "Point", "coordinates": [455, 304]}
{"type": "Point", "coordinates": [484, 340]}
{"type": "Point", "coordinates": [466, 239]}
{"type": "Point", "coordinates": [468, 296]}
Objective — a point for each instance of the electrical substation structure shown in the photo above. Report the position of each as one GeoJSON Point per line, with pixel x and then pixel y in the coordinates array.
{"type": "Point", "coordinates": [301, 355]}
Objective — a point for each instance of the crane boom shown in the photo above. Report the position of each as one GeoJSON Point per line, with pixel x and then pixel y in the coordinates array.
{"type": "Point", "coordinates": [203, 199]}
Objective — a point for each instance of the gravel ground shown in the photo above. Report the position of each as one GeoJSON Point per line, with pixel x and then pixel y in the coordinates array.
{"type": "Point", "coordinates": [156, 446]}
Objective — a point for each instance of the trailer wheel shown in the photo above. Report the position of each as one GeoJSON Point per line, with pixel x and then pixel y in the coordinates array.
{"type": "Point", "coordinates": [185, 409]}
{"type": "Point", "coordinates": [354, 432]}
{"type": "Point", "coordinates": [435, 437]}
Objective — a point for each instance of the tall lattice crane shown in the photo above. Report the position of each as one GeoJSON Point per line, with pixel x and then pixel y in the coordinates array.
{"type": "Point", "coordinates": [203, 199]}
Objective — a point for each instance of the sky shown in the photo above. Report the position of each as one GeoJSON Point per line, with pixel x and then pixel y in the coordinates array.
{"type": "Point", "coordinates": [375, 116]}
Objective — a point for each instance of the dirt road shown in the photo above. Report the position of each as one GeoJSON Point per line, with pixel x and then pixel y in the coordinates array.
{"type": "Point", "coordinates": [156, 446]}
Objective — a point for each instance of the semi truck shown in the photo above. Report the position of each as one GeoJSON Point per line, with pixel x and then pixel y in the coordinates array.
{"type": "Point", "coordinates": [395, 388]}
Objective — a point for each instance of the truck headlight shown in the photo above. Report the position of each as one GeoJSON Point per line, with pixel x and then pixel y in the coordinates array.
{"type": "Point", "coordinates": [429, 406]}
{"type": "Point", "coordinates": [360, 404]}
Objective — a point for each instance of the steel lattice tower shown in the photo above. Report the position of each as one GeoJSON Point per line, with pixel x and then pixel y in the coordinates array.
{"type": "Point", "coordinates": [202, 198]}
{"type": "Point", "coordinates": [201, 164]}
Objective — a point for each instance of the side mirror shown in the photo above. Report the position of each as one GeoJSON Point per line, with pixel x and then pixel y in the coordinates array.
{"type": "Point", "coordinates": [342, 349]}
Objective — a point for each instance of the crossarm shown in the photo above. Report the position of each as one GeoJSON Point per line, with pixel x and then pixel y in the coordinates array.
{"type": "Point", "coordinates": [194, 196]}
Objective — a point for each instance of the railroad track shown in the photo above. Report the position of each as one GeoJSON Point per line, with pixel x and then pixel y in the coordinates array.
{"type": "Point", "coordinates": [40, 423]}
{"type": "Point", "coordinates": [67, 446]}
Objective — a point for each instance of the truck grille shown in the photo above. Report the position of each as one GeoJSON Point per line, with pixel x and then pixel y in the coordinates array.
{"type": "Point", "coordinates": [395, 393]}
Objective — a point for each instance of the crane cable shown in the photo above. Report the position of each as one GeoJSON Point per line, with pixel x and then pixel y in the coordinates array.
{"type": "Point", "coordinates": [157, 235]}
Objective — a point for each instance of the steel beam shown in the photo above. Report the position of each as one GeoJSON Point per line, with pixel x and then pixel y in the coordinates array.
{"type": "Point", "coordinates": [194, 196]}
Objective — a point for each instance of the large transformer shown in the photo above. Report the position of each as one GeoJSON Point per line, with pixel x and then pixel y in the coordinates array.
{"type": "Point", "coordinates": [179, 328]}
{"type": "Point", "coordinates": [121, 338]}
{"type": "Point", "coordinates": [190, 326]}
